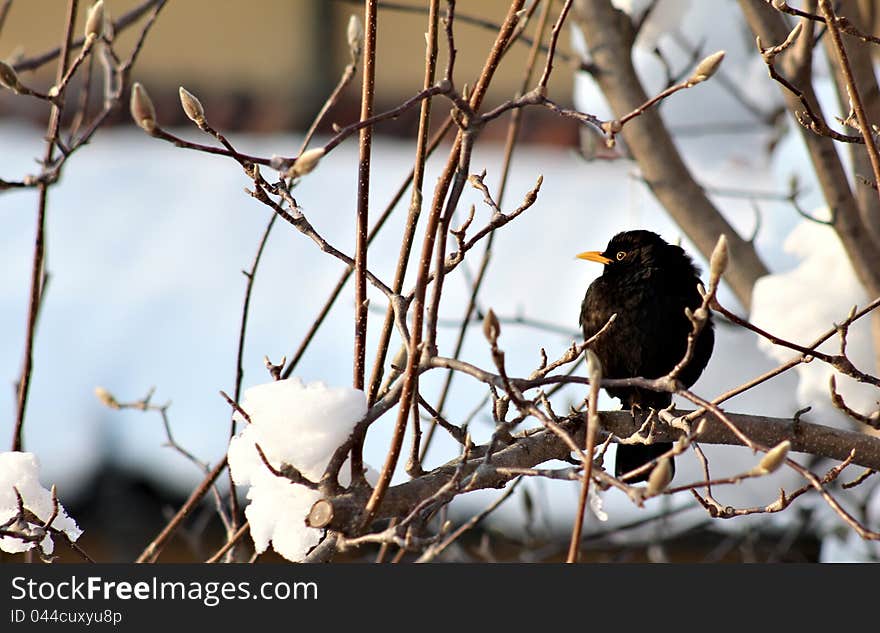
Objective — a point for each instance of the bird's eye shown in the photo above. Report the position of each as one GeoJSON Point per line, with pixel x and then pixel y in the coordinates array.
{"type": "Point", "coordinates": [620, 255]}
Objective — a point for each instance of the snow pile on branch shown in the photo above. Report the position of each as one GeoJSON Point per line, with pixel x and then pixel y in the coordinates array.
{"type": "Point", "coordinates": [803, 303]}
{"type": "Point", "coordinates": [296, 424]}
{"type": "Point", "coordinates": [800, 305]}
{"type": "Point", "coordinates": [21, 471]}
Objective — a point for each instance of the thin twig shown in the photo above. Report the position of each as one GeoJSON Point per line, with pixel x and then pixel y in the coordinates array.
{"type": "Point", "coordinates": [589, 446]}
{"type": "Point", "coordinates": [855, 97]}
{"type": "Point", "coordinates": [415, 205]}
{"type": "Point", "coordinates": [119, 25]}
{"type": "Point", "coordinates": [410, 386]}
{"type": "Point", "coordinates": [840, 362]}
{"type": "Point", "coordinates": [4, 11]}
{"type": "Point", "coordinates": [230, 543]}
{"type": "Point", "coordinates": [551, 47]}
{"type": "Point", "coordinates": [435, 550]}
{"type": "Point", "coordinates": [363, 203]}
{"type": "Point", "coordinates": [509, 145]}
{"type": "Point", "coordinates": [569, 58]}
{"type": "Point", "coordinates": [346, 274]}
{"type": "Point", "coordinates": [152, 551]}
{"type": "Point", "coordinates": [250, 275]}
{"type": "Point", "coordinates": [37, 272]}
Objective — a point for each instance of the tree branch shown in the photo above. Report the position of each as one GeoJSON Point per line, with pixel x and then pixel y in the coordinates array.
{"type": "Point", "coordinates": [652, 147]}
{"type": "Point", "coordinates": [863, 252]}
{"type": "Point", "coordinates": [343, 513]}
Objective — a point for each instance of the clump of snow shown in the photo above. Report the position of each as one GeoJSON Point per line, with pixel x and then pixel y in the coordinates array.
{"type": "Point", "coordinates": [800, 305]}
{"type": "Point", "coordinates": [296, 424]}
{"type": "Point", "coordinates": [21, 471]}
{"type": "Point", "coordinates": [803, 303]}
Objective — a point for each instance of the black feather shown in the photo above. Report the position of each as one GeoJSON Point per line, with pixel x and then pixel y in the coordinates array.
{"type": "Point", "coordinates": [648, 287]}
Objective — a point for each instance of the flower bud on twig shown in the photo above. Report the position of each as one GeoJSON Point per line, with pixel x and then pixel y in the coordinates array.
{"type": "Point", "coordinates": [106, 398]}
{"type": "Point", "coordinates": [95, 21]}
{"type": "Point", "coordinates": [142, 110]}
{"type": "Point", "coordinates": [399, 361]}
{"type": "Point", "coordinates": [355, 36]}
{"type": "Point", "coordinates": [706, 68]}
{"type": "Point", "coordinates": [659, 478]}
{"type": "Point", "coordinates": [306, 162]}
{"type": "Point", "coordinates": [491, 327]}
{"type": "Point", "coordinates": [773, 459]}
{"type": "Point", "coordinates": [192, 107]}
{"type": "Point", "coordinates": [718, 261]}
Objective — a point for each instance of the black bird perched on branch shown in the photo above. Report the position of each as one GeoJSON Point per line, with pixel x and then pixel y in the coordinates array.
{"type": "Point", "coordinates": [648, 283]}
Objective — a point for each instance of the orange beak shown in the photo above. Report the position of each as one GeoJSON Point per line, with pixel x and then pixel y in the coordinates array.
{"type": "Point", "coordinates": [594, 256]}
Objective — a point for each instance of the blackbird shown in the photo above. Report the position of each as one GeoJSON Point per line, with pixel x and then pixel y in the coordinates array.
{"type": "Point", "coordinates": [648, 283]}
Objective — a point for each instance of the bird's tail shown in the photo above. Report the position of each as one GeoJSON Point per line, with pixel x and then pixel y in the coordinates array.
{"type": "Point", "coordinates": [631, 456]}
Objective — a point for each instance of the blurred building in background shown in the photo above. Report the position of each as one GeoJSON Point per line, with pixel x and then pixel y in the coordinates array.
{"type": "Point", "coordinates": [269, 65]}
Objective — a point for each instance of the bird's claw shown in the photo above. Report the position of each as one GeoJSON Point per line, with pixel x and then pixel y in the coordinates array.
{"type": "Point", "coordinates": [643, 434]}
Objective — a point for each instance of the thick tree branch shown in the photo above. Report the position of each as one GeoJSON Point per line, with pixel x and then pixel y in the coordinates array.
{"type": "Point", "coordinates": [651, 145]}
{"type": "Point", "coordinates": [862, 68]}
{"type": "Point", "coordinates": [852, 88]}
{"type": "Point", "coordinates": [850, 220]}
{"type": "Point", "coordinates": [343, 513]}
{"type": "Point", "coordinates": [863, 252]}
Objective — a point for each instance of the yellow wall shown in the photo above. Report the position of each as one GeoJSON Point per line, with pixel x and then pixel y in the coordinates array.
{"type": "Point", "coordinates": [277, 48]}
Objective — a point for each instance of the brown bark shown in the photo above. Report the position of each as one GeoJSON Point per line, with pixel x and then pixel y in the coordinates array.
{"type": "Point", "coordinates": [342, 513]}
{"type": "Point", "coordinates": [652, 146]}
{"type": "Point", "coordinates": [863, 252]}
